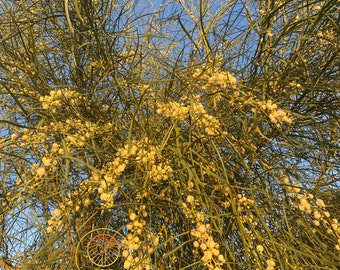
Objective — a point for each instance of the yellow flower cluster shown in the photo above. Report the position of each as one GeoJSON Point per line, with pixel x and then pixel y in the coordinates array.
{"type": "Point", "coordinates": [57, 98]}
{"type": "Point", "coordinates": [243, 202]}
{"type": "Point", "coordinates": [55, 222]}
{"type": "Point", "coordinates": [160, 172]}
{"type": "Point", "coordinates": [318, 212]}
{"type": "Point", "coordinates": [222, 79]}
{"type": "Point", "coordinates": [47, 166]}
{"type": "Point", "coordinates": [78, 132]}
{"type": "Point", "coordinates": [304, 205]}
{"type": "Point", "coordinates": [190, 199]}
{"type": "Point", "coordinates": [270, 264]}
{"type": "Point", "coordinates": [133, 242]}
{"type": "Point", "coordinates": [276, 116]}
{"type": "Point", "coordinates": [315, 208]}
{"type": "Point", "coordinates": [142, 152]}
{"type": "Point", "coordinates": [327, 37]}
{"type": "Point", "coordinates": [259, 249]}
{"type": "Point", "coordinates": [213, 81]}
{"type": "Point", "coordinates": [190, 211]}
{"type": "Point", "coordinates": [211, 258]}
{"type": "Point", "coordinates": [204, 242]}
{"type": "Point", "coordinates": [75, 140]}
{"type": "Point", "coordinates": [147, 156]}
{"type": "Point", "coordinates": [114, 168]}
{"type": "Point", "coordinates": [107, 188]}
{"type": "Point", "coordinates": [195, 110]}
{"type": "Point", "coordinates": [74, 202]}
{"type": "Point", "coordinates": [40, 172]}
{"type": "Point", "coordinates": [173, 110]}
{"type": "Point", "coordinates": [144, 155]}
{"type": "Point", "coordinates": [200, 116]}
{"type": "Point", "coordinates": [108, 198]}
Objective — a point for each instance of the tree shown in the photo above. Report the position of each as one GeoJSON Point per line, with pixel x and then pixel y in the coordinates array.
{"type": "Point", "coordinates": [176, 135]}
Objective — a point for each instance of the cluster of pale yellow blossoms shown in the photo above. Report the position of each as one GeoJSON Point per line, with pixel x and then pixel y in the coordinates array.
{"type": "Point", "coordinates": [55, 222]}
{"type": "Point", "coordinates": [291, 187]}
{"type": "Point", "coordinates": [195, 110]}
{"type": "Point", "coordinates": [58, 98]}
{"type": "Point", "coordinates": [144, 155]}
{"type": "Point", "coordinates": [134, 247]}
{"type": "Point", "coordinates": [276, 115]}
{"type": "Point", "coordinates": [269, 108]}
{"type": "Point", "coordinates": [314, 207]}
{"type": "Point", "coordinates": [213, 81]}
{"type": "Point", "coordinates": [206, 79]}
{"type": "Point", "coordinates": [243, 203]}
{"type": "Point", "coordinates": [78, 133]}
{"type": "Point", "coordinates": [73, 202]}
{"type": "Point", "coordinates": [105, 181]}
{"type": "Point", "coordinates": [160, 172]}
{"type": "Point", "coordinates": [132, 241]}
{"type": "Point", "coordinates": [327, 37]}
{"type": "Point", "coordinates": [210, 249]}
{"type": "Point", "coordinates": [204, 242]}
{"type": "Point", "coordinates": [210, 124]}
{"type": "Point", "coordinates": [270, 264]}
{"type": "Point", "coordinates": [173, 110]}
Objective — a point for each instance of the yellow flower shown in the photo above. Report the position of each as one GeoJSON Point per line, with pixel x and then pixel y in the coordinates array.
{"type": "Point", "coordinates": [202, 228]}
{"type": "Point", "coordinates": [320, 203]}
{"type": "Point", "coordinates": [106, 197]}
{"type": "Point", "coordinates": [127, 264]}
{"type": "Point", "coordinates": [87, 202]}
{"type": "Point", "coordinates": [270, 264]}
{"type": "Point", "coordinates": [221, 258]}
{"type": "Point", "coordinates": [56, 212]}
{"type": "Point", "coordinates": [40, 172]}
{"type": "Point", "coordinates": [46, 161]}
{"type": "Point", "coordinates": [133, 216]}
{"type": "Point", "coordinates": [203, 246]}
{"type": "Point", "coordinates": [14, 136]}
{"type": "Point", "coordinates": [317, 214]}
{"type": "Point", "coordinates": [259, 248]}
{"type": "Point", "coordinates": [190, 199]}
{"type": "Point", "coordinates": [316, 222]}
{"type": "Point", "coordinates": [337, 247]}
